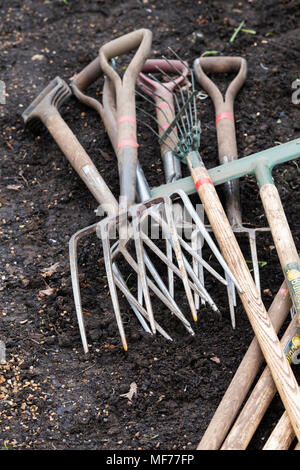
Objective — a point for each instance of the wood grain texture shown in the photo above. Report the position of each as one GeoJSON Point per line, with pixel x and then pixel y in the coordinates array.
{"type": "Point", "coordinates": [256, 405]}
{"type": "Point", "coordinates": [258, 316]}
{"type": "Point", "coordinates": [243, 378]}
{"type": "Point", "coordinates": [282, 435]}
{"type": "Point", "coordinates": [279, 226]}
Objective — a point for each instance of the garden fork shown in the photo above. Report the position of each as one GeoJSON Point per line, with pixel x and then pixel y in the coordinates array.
{"type": "Point", "coordinates": [45, 108]}
{"type": "Point", "coordinates": [145, 196]}
{"type": "Point", "coordinates": [108, 115]}
{"type": "Point", "coordinates": [226, 137]}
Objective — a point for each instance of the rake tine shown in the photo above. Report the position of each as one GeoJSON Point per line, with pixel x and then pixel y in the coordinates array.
{"type": "Point", "coordinates": [201, 261]}
{"type": "Point", "coordinates": [253, 249]}
{"type": "Point", "coordinates": [231, 300]}
{"type": "Point", "coordinates": [161, 98]}
{"type": "Point", "coordinates": [158, 125]}
{"type": "Point", "coordinates": [175, 98]}
{"type": "Point", "coordinates": [164, 296]}
{"type": "Point", "coordinates": [180, 87]}
{"type": "Point", "coordinates": [170, 272]}
{"type": "Point", "coordinates": [75, 282]}
{"type": "Point", "coordinates": [142, 85]}
{"type": "Point", "coordinates": [196, 240]}
{"type": "Point", "coordinates": [151, 128]}
{"type": "Point", "coordinates": [118, 274]}
{"type": "Point", "coordinates": [176, 270]}
{"type": "Point", "coordinates": [186, 266]}
{"type": "Point", "coordinates": [165, 299]}
{"type": "Point", "coordinates": [73, 243]}
{"type": "Point", "coordinates": [200, 286]}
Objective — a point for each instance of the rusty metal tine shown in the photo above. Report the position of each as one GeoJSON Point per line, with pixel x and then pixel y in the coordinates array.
{"type": "Point", "coordinates": [163, 288]}
{"type": "Point", "coordinates": [231, 300]}
{"type": "Point", "coordinates": [113, 290]}
{"type": "Point", "coordinates": [75, 280]}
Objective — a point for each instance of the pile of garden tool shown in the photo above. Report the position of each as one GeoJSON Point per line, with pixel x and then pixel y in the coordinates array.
{"type": "Point", "coordinates": [158, 234]}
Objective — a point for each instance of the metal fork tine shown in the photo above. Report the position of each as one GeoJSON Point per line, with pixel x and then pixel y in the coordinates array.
{"type": "Point", "coordinates": [111, 282]}
{"type": "Point", "coordinates": [140, 260]}
{"type": "Point", "coordinates": [132, 300]}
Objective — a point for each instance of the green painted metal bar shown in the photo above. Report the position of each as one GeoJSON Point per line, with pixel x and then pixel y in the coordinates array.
{"type": "Point", "coordinates": [259, 164]}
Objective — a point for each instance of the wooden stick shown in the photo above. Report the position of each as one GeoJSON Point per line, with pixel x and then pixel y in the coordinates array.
{"type": "Point", "coordinates": [285, 245]}
{"type": "Point", "coordinates": [256, 405]}
{"type": "Point", "coordinates": [282, 435]}
{"type": "Point", "coordinates": [243, 378]}
{"type": "Point", "coordinates": [272, 350]}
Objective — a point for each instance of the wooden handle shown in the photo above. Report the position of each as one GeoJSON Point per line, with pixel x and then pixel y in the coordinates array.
{"type": "Point", "coordinates": [256, 405]}
{"type": "Point", "coordinates": [278, 224]}
{"type": "Point", "coordinates": [282, 435]}
{"type": "Point", "coordinates": [283, 240]}
{"type": "Point", "coordinates": [272, 350]}
{"type": "Point", "coordinates": [80, 160]}
{"type": "Point", "coordinates": [243, 378]}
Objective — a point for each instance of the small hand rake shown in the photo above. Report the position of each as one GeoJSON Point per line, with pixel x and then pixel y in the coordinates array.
{"type": "Point", "coordinates": [189, 130]}
{"type": "Point", "coordinates": [109, 116]}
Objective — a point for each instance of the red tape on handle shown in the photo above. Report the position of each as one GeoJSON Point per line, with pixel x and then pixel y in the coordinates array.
{"type": "Point", "coordinates": [202, 181]}
{"type": "Point", "coordinates": [128, 143]}
{"type": "Point", "coordinates": [126, 119]}
{"type": "Point", "coordinates": [224, 116]}
{"type": "Point", "coordinates": [164, 105]}
{"type": "Point", "coordinates": [166, 125]}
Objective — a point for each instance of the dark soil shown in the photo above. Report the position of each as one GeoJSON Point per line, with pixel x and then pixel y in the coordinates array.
{"type": "Point", "coordinates": [52, 395]}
